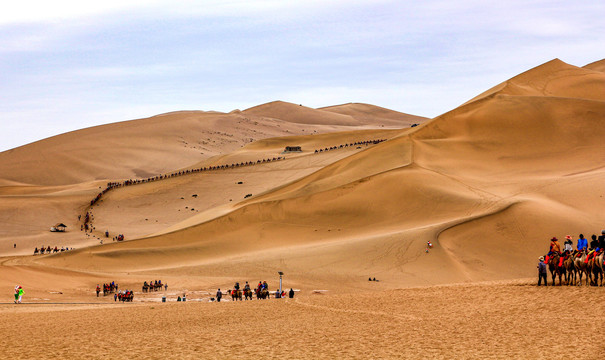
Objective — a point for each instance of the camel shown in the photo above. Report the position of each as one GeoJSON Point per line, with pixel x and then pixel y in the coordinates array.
{"type": "Point", "coordinates": [554, 268]}
{"type": "Point", "coordinates": [596, 267]}
{"type": "Point", "coordinates": [570, 270]}
{"type": "Point", "coordinates": [248, 294]}
{"type": "Point", "coordinates": [580, 266]}
{"type": "Point", "coordinates": [236, 295]}
{"type": "Point", "coordinates": [262, 294]}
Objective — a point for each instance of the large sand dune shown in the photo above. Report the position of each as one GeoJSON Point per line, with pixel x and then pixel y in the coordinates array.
{"type": "Point", "coordinates": [488, 183]}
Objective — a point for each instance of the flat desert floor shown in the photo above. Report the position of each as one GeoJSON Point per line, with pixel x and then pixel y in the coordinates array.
{"type": "Point", "coordinates": [496, 320]}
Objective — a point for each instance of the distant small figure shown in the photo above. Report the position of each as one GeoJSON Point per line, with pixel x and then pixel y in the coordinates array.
{"type": "Point", "coordinates": [165, 286]}
{"type": "Point", "coordinates": [373, 279]}
{"type": "Point", "coordinates": [369, 279]}
{"type": "Point", "coordinates": [178, 298]}
{"type": "Point", "coordinates": [18, 294]}
{"type": "Point", "coordinates": [14, 246]}
{"type": "Point", "coordinates": [219, 295]}
{"type": "Point", "coordinates": [291, 293]}
{"type": "Point", "coordinates": [115, 297]}
{"type": "Point", "coordinates": [542, 271]}
{"type": "Point", "coordinates": [98, 290]}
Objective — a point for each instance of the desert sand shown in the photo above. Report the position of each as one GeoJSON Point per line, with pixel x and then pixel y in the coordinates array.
{"type": "Point", "coordinates": [487, 183]}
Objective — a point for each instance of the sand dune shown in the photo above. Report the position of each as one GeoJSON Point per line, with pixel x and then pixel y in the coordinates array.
{"type": "Point", "coordinates": [488, 183]}
{"type": "Point", "coordinates": [596, 66]}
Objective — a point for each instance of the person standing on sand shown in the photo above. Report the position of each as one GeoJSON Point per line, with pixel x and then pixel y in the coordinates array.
{"type": "Point", "coordinates": [98, 290]}
{"type": "Point", "coordinates": [542, 271]}
{"type": "Point", "coordinates": [20, 294]}
{"type": "Point", "coordinates": [219, 295]}
{"type": "Point", "coordinates": [291, 293]}
{"type": "Point", "coordinates": [16, 293]}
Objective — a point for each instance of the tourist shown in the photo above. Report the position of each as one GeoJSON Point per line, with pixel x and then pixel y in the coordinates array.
{"type": "Point", "coordinates": [18, 294]}
{"type": "Point", "coordinates": [277, 294]}
{"type": "Point", "coordinates": [555, 248]}
{"type": "Point", "coordinates": [115, 297]}
{"type": "Point", "coordinates": [582, 243]}
{"type": "Point", "coordinates": [291, 293]}
{"type": "Point", "coordinates": [219, 295]}
{"type": "Point", "coordinates": [568, 244]}
{"type": "Point", "coordinates": [594, 244]}
{"type": "Point", "coordinates": [602, 240]}
{"type": "Point", "coordinates": [98, 290]}
{"type": "Point", "coordinates": [542, 271]}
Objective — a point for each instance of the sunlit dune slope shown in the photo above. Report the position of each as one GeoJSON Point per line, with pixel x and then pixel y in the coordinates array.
{"type": "Point", "coordinates": [370, 113]}
{"type": "Point", "coordinates": [596, 66]}
{"type": "Point", "coordinates": [553, 79]}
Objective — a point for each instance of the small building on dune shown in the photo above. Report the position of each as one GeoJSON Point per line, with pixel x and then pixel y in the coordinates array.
{"type": "Point", "coordinates": [59, 227]}
{"type": "Point", "coordinates": [293, 149]}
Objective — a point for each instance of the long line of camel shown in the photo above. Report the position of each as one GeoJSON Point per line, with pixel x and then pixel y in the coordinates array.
{"type": "Point", "coordinates": [87, 225]}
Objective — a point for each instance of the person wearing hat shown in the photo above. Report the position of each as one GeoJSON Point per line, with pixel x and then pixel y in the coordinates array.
{"type": "Point", "coordinates": [542, 271]}
{"type": "Point", "coordinates": [555, 248]}
{"type": "Point", "coordinates": [568, 244]}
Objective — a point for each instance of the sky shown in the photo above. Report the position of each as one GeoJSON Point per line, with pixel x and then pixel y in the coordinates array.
{"type": "Point", "coordinates": [68, 65]}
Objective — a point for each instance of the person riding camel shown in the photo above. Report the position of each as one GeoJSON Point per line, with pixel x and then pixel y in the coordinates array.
{"type": "Point", "coordinates": [247, 286]}
{"type": "Point", "coordinates": [265, 286]}
{"type": "Point", "coordinates": [568, 244]}
{"type": "Point", "coordinates": [555, 248]}
{"type": "Point", "coordinates": [594, 249]}
{"type": "Point", "coordinates": [582, 243]}
{"type": "Point", "coordinates": [236, 286]}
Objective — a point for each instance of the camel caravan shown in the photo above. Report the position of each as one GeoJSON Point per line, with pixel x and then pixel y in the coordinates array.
{"type": "Point", "coordinates": [583, 265]}
{"type": "Point", "coordinates": [342, 146]}
{"type": "Point", "coordinates": [110, 288]}
{"type": "Point", "coordinates": [87, 222]}
{"type": "Point", "coordinates": [261, 291]}
{"type": "Point", "coordinates": [48, 250]}
{"type": "Point", "coordinates": [154, 285]}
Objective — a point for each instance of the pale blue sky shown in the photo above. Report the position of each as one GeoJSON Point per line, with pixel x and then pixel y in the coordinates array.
{"type": "Point", "coordinates": [66, 65]}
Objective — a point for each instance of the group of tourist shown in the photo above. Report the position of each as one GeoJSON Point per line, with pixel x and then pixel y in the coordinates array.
{"type": "Point", "coordinates": [47, 250]}
{"type": "Point", "coordinates": [154, 285]}
{"type": "Point", "coordinates": [261, 291]}
{"type": "Point", "coordinates": [108, 288]}
{"type": "Point", "coordinates": [567, 260]}
{"type": "Point", "coordinates": [124, 296]}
